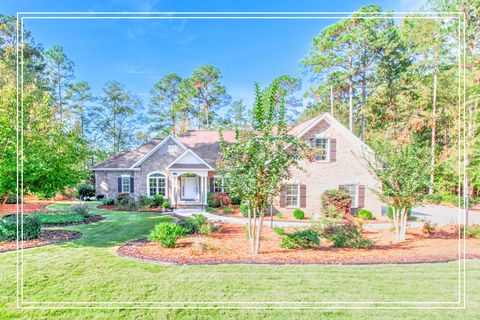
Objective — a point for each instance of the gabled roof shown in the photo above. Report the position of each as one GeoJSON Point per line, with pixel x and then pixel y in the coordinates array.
{"type": "Point", "coordinates": [179, 164]}
{"type": "Point", "coordinates": [205, 145]}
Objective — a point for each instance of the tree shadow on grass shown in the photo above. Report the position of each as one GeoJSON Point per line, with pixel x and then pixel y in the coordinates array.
{"type": "Point", "coordinates": [117, 228]}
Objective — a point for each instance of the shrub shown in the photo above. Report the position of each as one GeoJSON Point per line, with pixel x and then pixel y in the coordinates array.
{"type": "Point", "coordinates": [157, 200]}
{"type": "Point", "coordinates": [192, 224]}
{"type": "Point", "coordinates": [473, 231]}
{"type": "Point", "coordinates": [300, 240]}
{"type": "Point", "coordinates": [166, 204]}
{"type": "Point", "coordinates": [108, 202]}
{"type": "Point", "coordinates": [299, 214]}
{"type": "Point", "coordinates": [219, 200]}
{"type": "Point", "coordinates": [211, 210]}
{"type": "Point", "coordinates": [228, 210]}
{"type": "Point", "coordinates": [208, 228]}
{"type": "Point", "coordinates": [236, 200]}
{"type": "Point", "coordinates": [81, 209]}
{"type": "Point", "coordinates": [345, 235]}
{"type": "Point", "coordinates": [435, 198]}
{"type": "Point", "coordinates": [31, 227]}
{"type": "Point", "coordinates": [48, 218]}
{"type": "Point", "coordinates": [279, 231]}
{"type": "Point", "coordinates": [100, 197]}
{"type": "Point", "coordinates": [123, 199]}
{"type": "Point", "coordinates": [389, 212]}
{"type": "Point", "coordinates": [332, 212]}
{"type": "Point", "coordinates": [428, 227]}
{"type": "Point", "coordinates": [200, 247]}
{"type": "Point", "coordinates": [339, 199]}
{"type": "Point", "coordinates": [145, 202]}
{"type": "Point", "coordinates": [364, 214]}
{"type": "Point", "coordinates": [244, 209]}
{"type": "Point", "coordinates": [85, 190]}
{"type": "Point", "coordinates": [167, 234]}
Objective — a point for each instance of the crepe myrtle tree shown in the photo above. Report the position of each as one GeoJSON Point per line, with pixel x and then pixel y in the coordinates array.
{"type": "Point", "coordinates": [403, 171]}
{"type": "Point", "coordinates": [260, 160]}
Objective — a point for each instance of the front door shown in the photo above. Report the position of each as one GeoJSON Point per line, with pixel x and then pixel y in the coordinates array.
{"type": "Point", "coordinates": [190, 188]}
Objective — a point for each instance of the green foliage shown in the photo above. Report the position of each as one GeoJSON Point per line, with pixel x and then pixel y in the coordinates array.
{"type": "Point", "coordinates": [473, 231]}
{"type": "Point", "coordinates": [158, 200]}
{"type": "Point", "coordinates": [336, 203]}
{"type": "Point", "coordinates": [228, 210]}
{"type": "Point", "coordinates": [81, 209]}
{"type": "Point", "coordinates": [108, 202]}
{"type": "Point", "coordinates": [209, 227]}
{"type": "Point", "coordinates": [166, 205]}
{"type": "Point", "coordinates": [298, 214]}
{"type": "Point", "coordinates": [167, 234]}
{"type": "Point", "coordinates": [279, 231]}
{"type": "Point", "coordinates": [211, 210]}
{"type": "Point", "coordinates": [244, 208]}
{"type": "Point", "coordinates": [193, 223]}
{"type": "Point", "coordinates": [11, 199]}
{"type": "Point", "coordinates": [365, 214]}
{"type": "Point", "coordinates": [144, 201]}
{"type": "Point", "coordinates": [8, 227]}
{"type": "Point", "coordinates": [300, 240]}
{"type": "Point", "coordinates": [50, 218]}
{"type": "Point", "coordinates": [345, 235]}
{"type": "Point", "coordinates": [85, 190]}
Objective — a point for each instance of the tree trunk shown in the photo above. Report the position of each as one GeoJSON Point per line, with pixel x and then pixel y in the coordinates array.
{"type": "Point", "coordinates": [2, 205]}
{"type": "Point", "coordinates": [259, 233]}
{"type": "Point", "coordinates": [331, 92]}
{"type": "Point", "coordinates": [350, 96]}
{"type": "Point", "coordinates": [434, 133]}
{"type": "Point", "coordinates": [364, 99]}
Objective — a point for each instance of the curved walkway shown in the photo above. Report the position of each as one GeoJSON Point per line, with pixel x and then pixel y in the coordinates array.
{"type": "Point", "coordinates": [276, 223]}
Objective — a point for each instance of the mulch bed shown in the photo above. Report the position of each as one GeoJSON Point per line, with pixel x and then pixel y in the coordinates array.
{"type": "Point", "coordinates": [28, 207]}
{"type": "Point", "coordinates": [90, 219]}
{"type": "Point", "coordinates": [231, 246]}
{"type": "Point", "coordinates": [46, 237]}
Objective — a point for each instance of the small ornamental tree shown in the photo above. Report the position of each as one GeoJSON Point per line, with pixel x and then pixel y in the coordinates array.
{"type": "Point", "coordinates": [261, 158]}
{"type": "Point", "coordinates": [403, 172]}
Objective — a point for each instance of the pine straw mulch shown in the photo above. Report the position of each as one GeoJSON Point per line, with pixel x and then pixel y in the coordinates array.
{"type": "Point", "coordinates": [28, 207]}
{"type": "Point", "coordinates": [231, 246]}
{"type": "Point", "coordinates": [46, 237]}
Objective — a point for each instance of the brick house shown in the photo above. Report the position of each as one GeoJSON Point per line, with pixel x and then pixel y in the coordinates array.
{"type": "Point", "coordinates": [182, 169]}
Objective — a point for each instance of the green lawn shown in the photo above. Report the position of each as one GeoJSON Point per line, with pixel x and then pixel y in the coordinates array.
{"type": "Point", "coordinates": [88, 270]}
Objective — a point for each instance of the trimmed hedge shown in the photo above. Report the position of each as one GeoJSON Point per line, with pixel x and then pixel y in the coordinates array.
{"type": "Point", "coordinates": [32, 227]}
{"type": "Point", "coordinates": [167, 234]}
{"type": "Point", "coordinates": [299, 214]}
{"type": "Point", "coordinates": [300, 240]}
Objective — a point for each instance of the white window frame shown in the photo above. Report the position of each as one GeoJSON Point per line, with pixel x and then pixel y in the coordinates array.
{"type": "Point", "coordinates": [354, 201]}
{"type": "Point", "coordinates": [222, 188]}
{"type": "Point", "coordinates": [123, 177]}
{"type": "Point", "coordinates": [298, 195]}
{"type": "Point", "coordinates": [157, 187]}
{"type": "Point", "coordinates": [327, 150]}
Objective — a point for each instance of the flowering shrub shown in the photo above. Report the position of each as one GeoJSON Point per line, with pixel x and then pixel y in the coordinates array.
{"type": "Point", "coordinates": [220, 199]}
{"type": "Point", "coordinates": [336, 200]}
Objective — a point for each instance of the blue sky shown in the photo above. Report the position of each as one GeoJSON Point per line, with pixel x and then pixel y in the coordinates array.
{"type": "Point", "coordinates": [139, 52]}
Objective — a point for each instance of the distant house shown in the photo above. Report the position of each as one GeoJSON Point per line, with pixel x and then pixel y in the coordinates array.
{"type": "Point", "coordinates": [182, 169]}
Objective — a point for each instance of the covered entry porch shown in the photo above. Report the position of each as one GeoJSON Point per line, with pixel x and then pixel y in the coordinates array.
{"type": "Point", "coordinates": [190, 187]}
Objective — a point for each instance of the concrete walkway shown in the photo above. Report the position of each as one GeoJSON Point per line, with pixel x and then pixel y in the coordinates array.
{"type": "Point", "coordinates": [442, 215]}
{"type": "Point", "coordinates": [276, 223]}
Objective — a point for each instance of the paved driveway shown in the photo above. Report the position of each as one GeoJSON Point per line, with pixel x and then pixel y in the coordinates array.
{"type": "Point", "coordinates": [445, 215]}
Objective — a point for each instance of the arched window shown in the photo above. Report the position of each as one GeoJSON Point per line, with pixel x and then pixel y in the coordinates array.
{"type": "Point", "coordinates": [157, 184]}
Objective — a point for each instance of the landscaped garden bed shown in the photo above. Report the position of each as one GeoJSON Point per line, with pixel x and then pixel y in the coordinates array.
{"type": "Point", "coordinates": [28, 207]}
{"type": "Point", "coordinates": [49, 219]}
{"type": "Point", "coordinates": [231, 246]}
{"type": "Point", "coordinates": [46, 237]}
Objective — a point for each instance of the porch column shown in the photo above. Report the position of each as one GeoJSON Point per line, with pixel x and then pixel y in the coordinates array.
{"type": "Point", "coordinates": [205, 188]}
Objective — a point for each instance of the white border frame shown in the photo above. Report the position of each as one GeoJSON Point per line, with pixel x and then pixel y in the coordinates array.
{"type": "Point", "coordinates": [460, 16]}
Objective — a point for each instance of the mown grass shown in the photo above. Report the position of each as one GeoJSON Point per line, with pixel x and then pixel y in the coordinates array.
{"type": "Point", "coordinates": [61, 217]}
{"type": "Point", "coordinates": [88, 270]}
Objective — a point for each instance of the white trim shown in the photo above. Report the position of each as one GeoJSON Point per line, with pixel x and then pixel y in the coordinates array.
{"type": "Point", "coordinates": [298, 196]}
{"type": "Point", "coordinates": [327, 152]}
{"type": "Point", "coordinates": [356, 194]}
{"type": "Point", "coordinates": [129, 183]}
{"type": "Point", "coordinates": [166, 183]}
{"type": "Point", "coordinates": [158, 146]}
{"type": "Point", "coordinates": [195, 155]}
